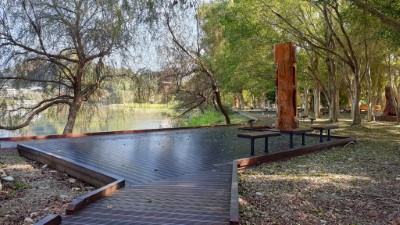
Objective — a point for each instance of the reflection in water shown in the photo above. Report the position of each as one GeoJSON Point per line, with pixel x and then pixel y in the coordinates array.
{"type": "Point", "coordinates": [105, 119]}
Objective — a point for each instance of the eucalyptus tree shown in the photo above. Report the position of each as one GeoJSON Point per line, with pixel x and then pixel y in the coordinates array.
{"type": "Point", "coordinates": [68, 47]}
{"type": "Point", "coordinates": [195, 55]}
{"type": "Point", "coordinates": [387, 11]}
{"type": "Point", "coordinates": [241, 47]}
{"type": "Point", "coordinates": [343, 47]}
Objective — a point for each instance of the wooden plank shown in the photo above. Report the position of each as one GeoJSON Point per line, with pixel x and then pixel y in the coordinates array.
{"type": "Point", "coordinates": [234, 204]}
{"type": "Point", "coordinates": [80, 135]}
{"type": "Point", "coordinates": [324, 127]}
{"type": "Point", "coordinates": [83, 172]}
{"type": "Point", "coordinates": [297, 131]}
{"type": "Point", "coordinates": [50, 220]}
{"type": "Point", "coordinates": [84, 200]}
{"type": "Point", "coordinates": [259, 134]}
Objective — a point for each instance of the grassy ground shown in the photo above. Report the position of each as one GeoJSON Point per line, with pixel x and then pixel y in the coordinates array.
{"type": "Point", "coordinates": [211, 118]}
{"type": "Point", "coordinates": [356, 184]}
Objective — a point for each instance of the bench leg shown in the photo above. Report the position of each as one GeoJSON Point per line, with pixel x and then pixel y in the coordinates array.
{"type": "Point", "coordinates": [303, 139]}
{"type": "Point", "coordinates": [252, 146]}
{"type": "Point", "coordinates": [320, 136]}
{"type": "Point", "coordinates": [291, 140]}
{"type": "Point", "coordinates": [329, 135]}
{"type": "Point", "coordinates": [266, 145]}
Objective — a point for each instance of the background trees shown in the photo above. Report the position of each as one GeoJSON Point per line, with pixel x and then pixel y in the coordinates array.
{"type": "Point", "coordinates": [212, 53]}
{"type": "Point", "coordinates": [63, 45]}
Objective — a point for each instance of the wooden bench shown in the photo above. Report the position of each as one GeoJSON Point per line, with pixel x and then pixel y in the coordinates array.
{"type": "Point", "coordinates": [297, 131]}
{"type": "Point", "coordinates": [254, 135]}
{"type": "Point", "coordinates": [321, 128]}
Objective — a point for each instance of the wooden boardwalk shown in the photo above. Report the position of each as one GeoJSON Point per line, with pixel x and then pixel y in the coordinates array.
{"type": "Point", "coordinates": [201, 198]}
{"type": "Point", "coordinates": [172, 177]}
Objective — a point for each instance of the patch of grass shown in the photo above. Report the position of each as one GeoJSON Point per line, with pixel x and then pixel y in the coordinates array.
{"type": "Point", "coordinates": [356, 184]}
{"type": "Point", "coordinates": [210, 118]}
{"type": "Point", "coordinates": [19, 185]}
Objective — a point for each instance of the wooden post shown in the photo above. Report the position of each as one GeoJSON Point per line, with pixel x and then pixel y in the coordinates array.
{"type": "Point", "coordinates": [286, 86]}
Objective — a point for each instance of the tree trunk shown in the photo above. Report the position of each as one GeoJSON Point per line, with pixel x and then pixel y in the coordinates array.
{"type": "Point", "coordinates": [305, 100]}
{"type": "Point", "coordinates": [334, 106]}
{"type": "Point", "coordinates": [72, 115]}
{"type": "Point", "coordinates": [317, 101]}
{"type": "Point", "coordinates": [369, 95]}
{"type": "Point", "coordinates": [356, 102]}
{"type": "Point", "coordinates": [241, 100]}
{"type": "Point", "coordinates": [221, 106]}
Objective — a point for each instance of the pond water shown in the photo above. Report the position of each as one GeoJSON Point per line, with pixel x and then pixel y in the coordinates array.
{"type": "Point", "coordinates": [102, 119]}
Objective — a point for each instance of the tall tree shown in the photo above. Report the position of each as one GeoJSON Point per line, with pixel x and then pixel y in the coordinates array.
{"type": "Point", "coordinates": [241, 48]}
{"type": "Point", "coordinates": [196, 58]}
{"type": "Point", "coordinates": [387, 11]}
{"type": "Point", "coordinates": [346, 49]}
{"type": "Point", "coordinates": [65, 45]}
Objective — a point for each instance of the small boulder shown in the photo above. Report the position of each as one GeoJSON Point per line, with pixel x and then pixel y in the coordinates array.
{"type": "Point", "coordinates": [76, 189]}
{"type": "Point", "coordinates": [63, 197]}
{"type": "Point", "coordinates": [2, 173]}
{"type": "Point", "coordinates": [45, 166]}
{"type": "Point", "coordinates": [8, 178]}
{"type": "Point", "coordinates": [89, 188]}
{"type": "Point", "coordinates": [34, 214]}
{"type": "Point", "coordinates": [72, 180]}
{"type": "Point", "coordinates": [28, 220]}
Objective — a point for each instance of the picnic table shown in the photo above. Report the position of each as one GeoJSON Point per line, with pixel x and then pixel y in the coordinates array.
{"type": "Point", "coordinates": [321, 128]}
{"type": "Point", "coordinates": [254, 135]}
{"type": "Point", "coordinates": [297, 131]}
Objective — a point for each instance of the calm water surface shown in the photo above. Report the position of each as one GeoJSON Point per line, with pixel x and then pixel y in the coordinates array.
{"type": "Point", "coordinates": [104, 119]}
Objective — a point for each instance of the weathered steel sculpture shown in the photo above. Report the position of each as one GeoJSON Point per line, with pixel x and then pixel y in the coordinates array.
{"type": "Point", "coordinates": [286, 86]}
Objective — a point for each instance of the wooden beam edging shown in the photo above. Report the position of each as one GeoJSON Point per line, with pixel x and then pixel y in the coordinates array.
{"type": "Point", "coordinates": [257, 160]}
{"type": "Point", "coordinates": [234, 205]}
{"type": "Point", "coordinates": [50, 220]}
{"type": "Point", "coordinates": [107, 182]}
{"type": "Point", "coordinates": [79, 135]}
{"type": "Point", "coordinates": [87, 173]}
{"type": "Point", "coordinates": [84, 200]}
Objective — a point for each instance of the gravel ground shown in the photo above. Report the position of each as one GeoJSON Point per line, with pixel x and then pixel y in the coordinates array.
{"type": "Point", "coordinates": [357, 184]}
{"type": "Point", "coordinates": [36, 191]}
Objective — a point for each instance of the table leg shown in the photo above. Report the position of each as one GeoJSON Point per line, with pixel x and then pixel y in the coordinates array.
{"type": "Point", "coordinates": [303, 139]}
{"type": "Point", "coordinates": [266, 145]}
{"type": "Point", "coordinates": [252, 146]}
{"type": "Point", "coordinates": [320, 135]}
{"type": "Point", "coordinates": [329, 135]}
